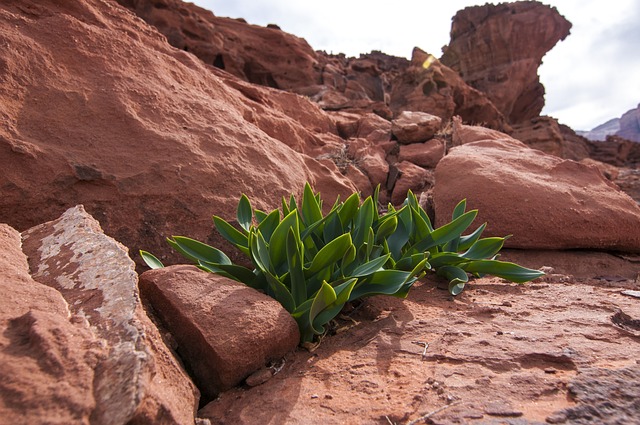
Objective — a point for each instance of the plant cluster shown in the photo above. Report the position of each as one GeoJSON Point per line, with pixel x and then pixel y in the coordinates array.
{"type": "Point", "coordinates": [314, 263]}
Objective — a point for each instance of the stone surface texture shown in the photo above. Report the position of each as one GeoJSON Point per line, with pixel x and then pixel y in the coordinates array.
{"type": "Point", "coordinates": [544, 201]}
{"type": "Point", "coordinates": [137, 378]}
{"type": "Point", "coordinates": [415, 127]}
{"type": "Point", "coordinates": [149, 154]}
{"type": "Point", "coordinates": [225, 330]}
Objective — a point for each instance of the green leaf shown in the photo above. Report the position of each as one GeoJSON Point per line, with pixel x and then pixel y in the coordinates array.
{"type": "Point", "coordinates": [281, 293]}
{"type": "Point", "coordinates": [260, 252]}
{"type": "Point", "coordinates": [445, 259]}
{"type": "Point", "coordinates": [459, 209]}
{"type": "Point", "coordinates": [296, 274]}
{"type": "Point", "coordinates": [311, 211]}
{"type": "Point", "coordinates": [363, 222]}
{"type": "Point", "coordinates": [503, 269]}
{"type": "Point", "coordinates": [260, 215]}
{"type": "Point", "coordinates": [277, 244]}
{"type": "Point", "coordinates": [468, 240]}
{"type": "Point", "coordinates": [231, 234]}
{"type": "Point", "coordinates": [268, 224]}
{"type": "Point", "coordinates": [420, 228]}
{"type": "Point", "coordinates": [232, 271]}
{"type": "Point", "coordinates": [386, 227]}
{"type": "Point", "coordinates": [400, 237]}
{"type": "Point", "coordinates": [447, 232]}
{"type": "Point", "coordinates": [484, 248]}
{"type": "Point", "coordinates": [324, 298]}
{"type": "Point", "coordinates": [343, 291]}
{"type": "Point", "coordinates": [370, 267]}
{"type": "Point", "coordinates": [456, 276]}
{"type": "Point", "coordinates": [198, 251]}
{"type": "Point", "coordinates": [244, 213]}
{"type": "Point", "coordinates": [408, 262]}
{"type": "Point", "coordinates": [330, 254]}
{"type": "Point", "coordinates": [332, 228]}
{"type": "Point", "coordinates": [349, 209]}
{"type": "Point", "coordinates": [384, 282]}
{"type": "Point", "coordinates": [151, 260]}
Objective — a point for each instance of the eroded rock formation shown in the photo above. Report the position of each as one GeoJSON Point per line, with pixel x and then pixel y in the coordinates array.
{"type": "Point", "coordinates": [497, 49]}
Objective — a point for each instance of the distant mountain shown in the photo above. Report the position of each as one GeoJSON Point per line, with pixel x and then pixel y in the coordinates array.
{"type": "Point", "coordinates": [627, 126]}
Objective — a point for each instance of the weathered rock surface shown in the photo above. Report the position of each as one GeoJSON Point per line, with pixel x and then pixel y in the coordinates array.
{"type": "Point", "coordinates": [260, 55]}
{"type": "Point", "coordinates": [225, 330]}
{"type": "Point", "coordinates": [426, 154]}
{"type": "Point", "coordinates": [549, 136]}
{"type": "Point", "coordinates": [604, 396]}
{"type": "Point", "coordinates": [495, 349]}
{"type": "Point", "coordinates": [415, 127]}
{"type": "Point", "coordinates": [47, 358]}
{"type": "Point", "coordinates": [544, 201]}
{"type": "Point", "coordinates": [497, 49]}
{"type": "Point", "coordinates": [149, 154]}
{"type": "Point", "coordinates": [133, 375]}
{"type": "Point", "coordinates": [429, 86]}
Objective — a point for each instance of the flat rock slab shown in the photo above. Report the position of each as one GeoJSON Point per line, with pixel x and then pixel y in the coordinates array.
{"type": "Point", "coordinates": [225, 330]}
{"type": "Point", "coordinates": [498, 353]}
{"type": "Point", "coordinates": [415, 127]}
{"type": "Point", "coordinates": [135, 376]}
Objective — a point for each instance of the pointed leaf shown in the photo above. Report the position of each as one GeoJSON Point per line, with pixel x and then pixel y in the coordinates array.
{"type": "Point", "coordinates": [330, 254]}
{"type": "Point", "coordinates": [244, 213]}
{"type": "Point", "coordinates": [268, 224]}
{"type": "Point", "coordinates": [468, 240]}
{"type": "Point", "coordinates": [277, 244]}
{"type": "Point", "coordinates": [363, 222]}
{"type": "Point", "coordinates": [151, 260]}
{"type": "Point", "coordinates": [323, 298]}
{"type": "Point", "coordinates": [311, 211]}
{"type": "Point", "coordinates": [197, 251]}
{"type": "Point", "coordinates": [232, 271]}
{"type": "Point", "coordinates": [296, 274]}
{"type": "Point", "coordinates": [447, 232]}
{"type": "Point", "coordinates": [349, 209]}
{"type": "Point", "coordinates": [503, 269]}
{"type": "Point", "coordinates": [400, 237]}
{"type": "Point", "coordinates": [459, 209]}
{"type": "Point", "coordinates": [231, 234]}
{"type": "Point", "coordinates": [484, 248]}
{"type": "Point", "coordinates": [386, 228]}
{"type": "Point", "coordinates": [370, 267]}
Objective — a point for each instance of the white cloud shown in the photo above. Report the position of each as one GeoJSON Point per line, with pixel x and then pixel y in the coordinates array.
{"type": "Point", "coordinates": [590, 77]}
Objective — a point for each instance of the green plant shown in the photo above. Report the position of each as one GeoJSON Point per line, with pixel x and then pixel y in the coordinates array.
{"type": "Point", "coordinates": [313, 263]}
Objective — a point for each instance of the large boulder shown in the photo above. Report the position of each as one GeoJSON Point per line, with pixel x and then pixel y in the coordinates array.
{"type": "Point", "coordinates": [545, 202]}
{"type": "Point", "coordinates": [497, 49]}
{"type": "Point", "coordinates": [225, 330]}
{"type": "Point", "coordinates": [149, 154]}
{"type": "Point", "coordinates": [81, 349]}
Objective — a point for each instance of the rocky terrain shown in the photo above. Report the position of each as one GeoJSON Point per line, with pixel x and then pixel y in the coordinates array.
{"type": "Point", "coordinates": [126, 122]}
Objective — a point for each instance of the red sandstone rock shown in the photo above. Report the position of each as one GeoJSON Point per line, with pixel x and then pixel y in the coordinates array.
{"type": "Point", "coordinates": [47, 359]}
{"type": "Point", "coordinates": [135, 377]}
{"type": "Point", "coordinates": [260, 55]}
{"type": "Point", "coordinates": [415, 127]}
{"type": "Point", "coordinates": [544, 201]}
{"type": "Point", "coordinates": [371, 158]}
{"type": "Point", "coordinates": [225, 330]}
{"type": "Point", "coordinates": [429, 86]}
{"type": "Point", "coordinates": [546, 134]}
{"type": "Point", "coordinates": [149, 154]}
{"type": "Point", "coordinates": [497, 49]}
{"type": "Point", "coordinates": [423, 154]}
{"type": "Point", "coordinates": [411, 177]}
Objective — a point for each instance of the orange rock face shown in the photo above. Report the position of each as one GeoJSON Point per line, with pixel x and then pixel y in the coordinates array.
{"type": "Point", "coordinates": [497, 49]}
{"type": "Point", "coordinates": [98, 109]}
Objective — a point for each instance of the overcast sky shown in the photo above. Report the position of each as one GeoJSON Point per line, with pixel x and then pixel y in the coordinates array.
{"type": "Point", "coordinates": [590, 77]}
